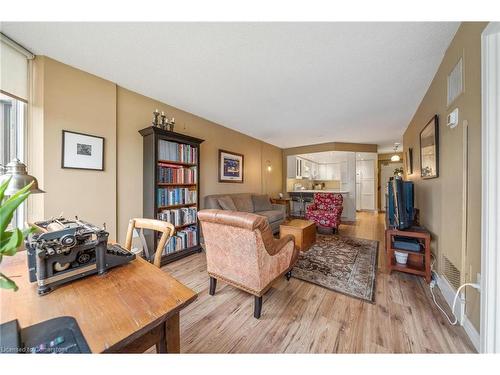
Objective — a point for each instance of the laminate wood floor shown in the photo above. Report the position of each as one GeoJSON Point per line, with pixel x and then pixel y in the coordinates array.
{"type": "Point", "coordinates": [299, 317]}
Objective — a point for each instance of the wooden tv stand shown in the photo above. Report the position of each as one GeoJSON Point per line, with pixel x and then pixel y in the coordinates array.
{"type": "Point", "coordinates": [419, 263]}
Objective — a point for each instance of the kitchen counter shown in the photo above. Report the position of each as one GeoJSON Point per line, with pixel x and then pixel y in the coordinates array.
{"type": "Point", "coordinates": [320, 191]}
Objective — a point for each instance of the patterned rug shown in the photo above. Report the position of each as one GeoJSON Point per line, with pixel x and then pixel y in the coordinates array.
{"type": "Point", "coordinates": [344, 264]}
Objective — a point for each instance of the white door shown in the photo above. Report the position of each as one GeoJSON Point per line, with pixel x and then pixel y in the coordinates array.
{"type": "Point", "coordinates": [365, 183]}
{"type": "Point", "coordinates": [386, 172]}
{"type": "Point", "coordinates": [348, 184]}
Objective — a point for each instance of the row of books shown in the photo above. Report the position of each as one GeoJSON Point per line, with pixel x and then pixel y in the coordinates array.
{"type": "Point", "coordinates": [176, 175]}
{"type": "Point", "coordinates": [180, 216]}
{"type": "Point", "coordinates": [177, 152]}
{"type": "Point", "coordinates": [175, 196]}
{"type": "Point", "coordinates": [183, 239]}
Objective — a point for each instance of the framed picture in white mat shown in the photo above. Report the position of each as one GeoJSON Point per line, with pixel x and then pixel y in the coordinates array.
{"type": "Point", "coordinates": [82, 151]}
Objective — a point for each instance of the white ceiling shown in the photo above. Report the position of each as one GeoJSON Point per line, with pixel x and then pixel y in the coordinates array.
{"type": "Point", "coordinates": [289, 84]}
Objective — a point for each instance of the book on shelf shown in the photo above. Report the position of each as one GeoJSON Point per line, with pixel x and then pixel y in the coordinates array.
{"type": "Point", "coordinates": [182, 239]}
{"type": "Point", "coordinates": [178, 152]}
{"type": "Point", "coordinates": [175, 196]}
{"type": "Point", "coordinates": [176, 175]}
{"type": "Point", "coordinates": [180, 216]}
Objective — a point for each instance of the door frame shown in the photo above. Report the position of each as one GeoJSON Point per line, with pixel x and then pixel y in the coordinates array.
{"type": "Point", "coordinates": [380, 163]}
{"type": "Point", "coordinates": [490, 201]}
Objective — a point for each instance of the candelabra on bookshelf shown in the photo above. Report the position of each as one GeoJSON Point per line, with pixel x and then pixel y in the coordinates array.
{"type": "Point", "coordinates": [171, 191]}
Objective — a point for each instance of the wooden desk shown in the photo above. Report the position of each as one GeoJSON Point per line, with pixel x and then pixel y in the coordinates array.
{"type": "Point", "coordinates": [129, 309]}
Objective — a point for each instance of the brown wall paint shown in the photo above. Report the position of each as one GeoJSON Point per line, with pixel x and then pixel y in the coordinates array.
{"type": "Point", "coordinates": [330, 146]}
{"type": "Point", "coordinates": [68, 98]}
{"type": "Point", "coordinates": [134, 112]}
{"type": "Point", "coordinates": [441, 200]}
{"type": "Point", "coordinates": [387, 157]}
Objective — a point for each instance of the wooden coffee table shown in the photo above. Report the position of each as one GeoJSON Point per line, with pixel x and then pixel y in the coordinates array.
{"type": "Point", "coordinates": [304, 232]}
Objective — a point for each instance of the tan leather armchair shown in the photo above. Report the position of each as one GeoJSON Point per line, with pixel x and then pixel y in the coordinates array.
{"type": "Point", "coordinates": [242, 251]}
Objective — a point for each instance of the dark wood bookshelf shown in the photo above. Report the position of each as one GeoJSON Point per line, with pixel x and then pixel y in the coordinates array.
{"type": "Point", "coordinates": [179, 163]}
{"type": "Point", "coordinates": [168, 184]}
{"type": "Point", "coordinates": [174, 206]}
{"type": "Point", "coordinates": [151, 161]}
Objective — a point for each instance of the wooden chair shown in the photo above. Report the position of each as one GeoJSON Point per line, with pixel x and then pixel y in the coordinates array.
{"type": "Point", "coordinates": [167, 230]}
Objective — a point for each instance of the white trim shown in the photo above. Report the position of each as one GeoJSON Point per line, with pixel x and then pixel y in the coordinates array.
{"type": "Point", "coordinates": [490, 240]}
{"type": "Point", "coordinates": [19, 48]}
{"type": "Point", "coordinates": [449, 294]}
{"type": "Point", "coordinates": [471, 332]}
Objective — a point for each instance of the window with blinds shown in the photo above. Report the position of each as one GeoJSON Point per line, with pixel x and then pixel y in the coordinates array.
{"type": "Point", "coordinates": [14, 94]}
{"type": "Point", "coordinates": [14, 69]}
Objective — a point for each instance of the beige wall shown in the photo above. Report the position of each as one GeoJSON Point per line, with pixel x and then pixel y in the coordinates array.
{"type": "Point", "coordinates": [447, 208]}
{"type": "Point", "coordinates": [134, 112]}
{"type": "Point", "coordinates": [68, 98]}
{"type": "Point", "coordinates": [330, 146]}
{"type": "Point", "coordinates": [387, 157]}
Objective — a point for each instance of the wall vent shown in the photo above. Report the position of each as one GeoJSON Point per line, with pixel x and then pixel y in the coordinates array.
{"type": "Point", "coordinates": [455, 82]}
{"type": "Point", "coordinates": [452, 273]}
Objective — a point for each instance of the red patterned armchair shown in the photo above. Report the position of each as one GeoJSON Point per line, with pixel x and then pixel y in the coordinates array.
{"type": "Point", "coordinates": [326, 210]}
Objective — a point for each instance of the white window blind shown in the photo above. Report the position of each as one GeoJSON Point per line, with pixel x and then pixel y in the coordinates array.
{"type": "Point", "coordinates": [14, 68]}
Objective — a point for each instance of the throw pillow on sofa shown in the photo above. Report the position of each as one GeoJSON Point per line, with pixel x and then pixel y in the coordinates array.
{"type": "Point", "coordinates": [227, 203]}
{"type": "Point", "coordinates": [261, 203]}
{"type": "Point", "coordinates": [243, 202]}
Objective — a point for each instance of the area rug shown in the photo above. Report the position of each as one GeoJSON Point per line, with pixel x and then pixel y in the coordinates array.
{"type": "Point", "coordinates": [344, 264]}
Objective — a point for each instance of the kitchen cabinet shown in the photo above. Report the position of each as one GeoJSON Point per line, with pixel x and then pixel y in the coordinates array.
{"type": "Point", "coordinates": [295, 167]}
{"type": "Point", "coordinates": [322, 172]}
{"type": "Point", "coordinates": [315, 171]}
{"type": "Point", "coordinates": [302, 168]}
{"type": "Point", "coordinates": [306, 168]}
{"type": "Point", "coordinates": [331, 171]}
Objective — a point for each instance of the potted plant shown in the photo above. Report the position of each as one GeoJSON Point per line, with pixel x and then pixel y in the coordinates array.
{"type": "Point", "coordinates": [10, 239]}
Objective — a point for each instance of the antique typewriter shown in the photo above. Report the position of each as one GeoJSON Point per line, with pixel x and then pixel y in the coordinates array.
{"type": "Point", "coordinates": [65, 250]}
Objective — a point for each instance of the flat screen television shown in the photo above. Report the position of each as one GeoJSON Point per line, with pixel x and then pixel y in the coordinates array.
{"type": "Point", "coordinates": [401, 211]}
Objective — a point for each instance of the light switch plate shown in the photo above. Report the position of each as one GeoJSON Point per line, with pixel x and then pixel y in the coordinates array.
{"type": "Point", "coordinates": [452, 119]}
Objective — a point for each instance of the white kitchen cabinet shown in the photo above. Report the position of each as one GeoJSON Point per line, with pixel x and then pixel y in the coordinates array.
{"type": "Point", "coordinates": [291, 167]}
{"type": "Point", "coordinates": [295, 167]}
{"type": "Point", "coordinates": [315, 171]}
{"type": "Point", "coordinates": [306, 168]}
{"type": "Point", "coordinates": [343, 171]}
{"type": "Point", "coordinates": [332, 171]}
{"type": "Point", "coordinates": [322, 171]}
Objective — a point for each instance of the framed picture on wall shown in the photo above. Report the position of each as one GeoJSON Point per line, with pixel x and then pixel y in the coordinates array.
{"type": "Point", "coordinates": [230, 166]}
{"type": "Point", "coordinates": [409, 161]}
{"type": "Point", "coordinates": [82, 151]}
{"type": "Point", "coordinates": [429, 149]}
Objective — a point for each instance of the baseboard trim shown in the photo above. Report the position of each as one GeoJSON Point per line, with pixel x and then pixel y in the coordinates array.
{"type": "Point", "coordinates": [449, 294]}
{"type": "Point", "coordinates": [471, 332]}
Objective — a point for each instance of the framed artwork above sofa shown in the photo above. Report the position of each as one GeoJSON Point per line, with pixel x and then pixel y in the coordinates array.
{"type": "Point", "coordinates": [231, 165]}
